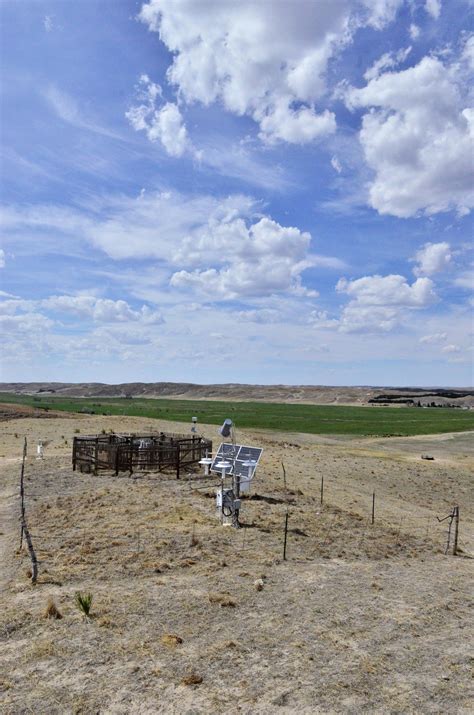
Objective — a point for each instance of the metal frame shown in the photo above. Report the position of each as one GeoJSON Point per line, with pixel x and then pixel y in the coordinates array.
{"type": "Point", "coordinates": [143, 453]}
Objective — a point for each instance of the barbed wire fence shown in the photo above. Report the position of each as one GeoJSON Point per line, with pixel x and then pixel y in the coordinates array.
{"type": "Point", "coordinates": [280, 541]}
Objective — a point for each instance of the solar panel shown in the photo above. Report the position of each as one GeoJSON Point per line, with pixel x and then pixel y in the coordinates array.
{"type": "Point", "coordinates": [227, 452]}
{"type": "Point", "coordinates": [237, 454]}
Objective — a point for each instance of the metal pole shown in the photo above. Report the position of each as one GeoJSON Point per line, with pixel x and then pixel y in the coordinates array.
{"type": "Point", "coordinates": [322, 490]}
{"type": "Point", "coordinates": [286, 534]}
{"type": "Point", "coordinates": [373, 507]}
{"type": "Point", "coordinates": [456, 530]}
{"type": "Point", "coordinates": [236, 490]}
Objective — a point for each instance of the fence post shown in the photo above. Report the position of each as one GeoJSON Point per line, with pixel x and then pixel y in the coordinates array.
{"type": "Point", "coordinates": [74, 442]}
{"type": "Point", "coordinates": [24, 527]}
{"type": "Point", "coordinates": [286, 533]}
{"type": "Point", "coordinates": [373, 507]}
{"type": "Point", "coordinates": [322, 490]}
{"type": "Point", "coordinates": [96, 455]}
{"type": "Point", "coordinates": [456, 530]}
{"type": "Point", "coordinates": [34, 560]}
{"type": "Point", "coordinates": [284, 477]}
{"type": "Point", "coordinates": [22, 490]}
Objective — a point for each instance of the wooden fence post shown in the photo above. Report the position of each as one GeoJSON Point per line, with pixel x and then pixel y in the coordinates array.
{"type": "Point", "coordinates": [22, 490]}
{"type": "Point", "coordinates": [34, 560]}
{"type": "Point", "coordinates": [96, 455]}
{"type": "Point", "coordinates": [24, 526]}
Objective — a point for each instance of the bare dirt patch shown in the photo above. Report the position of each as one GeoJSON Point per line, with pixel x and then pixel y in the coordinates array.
{"type": "Point", "coordinates": [360, 618]}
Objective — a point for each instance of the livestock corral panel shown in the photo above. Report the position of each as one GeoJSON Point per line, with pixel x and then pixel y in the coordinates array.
{"type": "Point", "coordinates": [143, 453]}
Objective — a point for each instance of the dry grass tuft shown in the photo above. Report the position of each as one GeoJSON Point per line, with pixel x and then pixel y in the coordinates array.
{"type": "Point", "coordinates": [224, 600]}
{"type": "Point", "coordinates": [105, 622]}
{"type": "Point", "coordinates": [192, 679]}
{"type": "Point", "coordinates": [171, 640]}
{"type": "Point", "coordinates": [52, 611]}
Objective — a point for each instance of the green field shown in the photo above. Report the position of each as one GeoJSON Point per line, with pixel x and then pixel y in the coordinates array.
{"type": "Point", "coordinates": [313, 419]}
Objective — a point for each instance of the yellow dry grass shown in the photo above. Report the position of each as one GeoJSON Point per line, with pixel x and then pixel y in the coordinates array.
{"type": "Point", "coordinates": [360, 618]}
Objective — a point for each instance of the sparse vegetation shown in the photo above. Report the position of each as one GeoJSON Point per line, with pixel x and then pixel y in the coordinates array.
{"type": "Point", "coordinates": [353, 601]}
{"type": "Point", "coordinates": [192, 679]}
{"type": "Point", "coordinates": [171, 640]}
{"type": "Point", "coordinates": [52, 610]}
{"type": "Point", "coordinates": [83, 602]}
{"type": "Point", "coordinates": [222, 599]}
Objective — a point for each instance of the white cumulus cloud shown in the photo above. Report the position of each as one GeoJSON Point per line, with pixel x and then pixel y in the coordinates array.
{"type": "Point", "coordinates": [379, 303]}
{"type": "Point", "coordinates": [164, 124]}
{"type": "Point", "coordinates": [417, 138]}
{"type": "Point", "coordinates": [433, 8]}
{"type": "Point", "coordinates": [264, 258]}
{"type": "Point", "coordinates": [389, 290]}
{"type": "Point", "coordinates": [100, 310]}
{"type": "Point", "coordinates": [218, 246]}
{"type": "Point", "coordinates": [432, 258]}
{"type": "Point", "coordinates": [261, 59]}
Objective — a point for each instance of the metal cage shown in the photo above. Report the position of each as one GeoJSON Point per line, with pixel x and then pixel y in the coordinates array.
{"type": "Point", "coordinates": [133, 452]}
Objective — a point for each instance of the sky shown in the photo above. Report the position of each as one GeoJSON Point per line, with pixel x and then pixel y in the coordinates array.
{"type": "Point", "coordinates": [271, 192]}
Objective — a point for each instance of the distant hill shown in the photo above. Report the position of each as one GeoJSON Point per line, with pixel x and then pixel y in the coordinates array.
{"type": "Point", "coordinates": [311, 394]}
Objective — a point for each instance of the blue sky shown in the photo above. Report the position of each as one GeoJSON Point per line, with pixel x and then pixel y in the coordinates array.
{"type": "Point", "coordinates": [271, 192]}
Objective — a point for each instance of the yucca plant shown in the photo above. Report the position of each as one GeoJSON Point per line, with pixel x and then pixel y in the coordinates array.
{"type": "Point", "coordinates": [84, 602]}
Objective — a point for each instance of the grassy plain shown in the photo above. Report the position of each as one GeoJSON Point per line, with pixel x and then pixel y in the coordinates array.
{"type": "Point", "coordinates": [309, 419]}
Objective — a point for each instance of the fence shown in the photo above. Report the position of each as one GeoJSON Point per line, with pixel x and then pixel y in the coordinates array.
{"type": "Point", "coordinates": [143, 453]}
{"type": "Point", "coordinates": [280, 528]}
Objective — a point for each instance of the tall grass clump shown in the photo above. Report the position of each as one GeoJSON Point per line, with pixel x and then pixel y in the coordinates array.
{"type": "Point", "coordinates": [84, 602]}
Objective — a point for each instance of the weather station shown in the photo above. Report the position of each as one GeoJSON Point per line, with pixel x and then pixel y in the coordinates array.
{"type": "Point", "coordinates": [236, 465]}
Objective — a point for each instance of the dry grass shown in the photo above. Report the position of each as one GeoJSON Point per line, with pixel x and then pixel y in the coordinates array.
{"type": "Point", "coordinates": [52, 610]}
{"type": "Point", "coordinates": [224, 600]}
{"type": "Point", "coordinates": [361, 618]}
{"type": "Point", "coordinates": [192, 679]}
{"type": "Point", "coordinates": [171, 640]}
